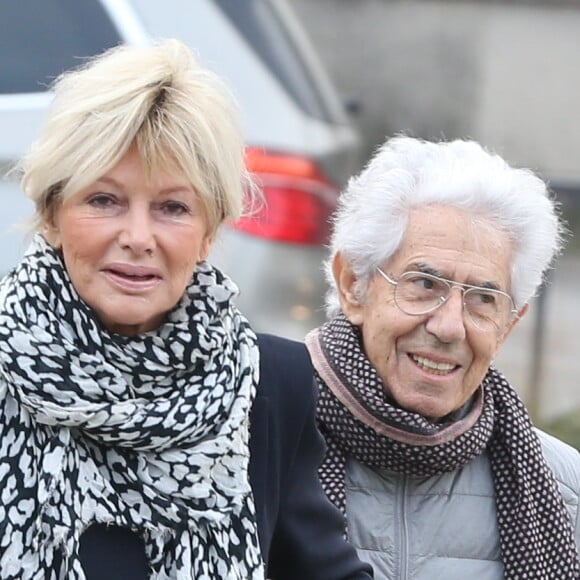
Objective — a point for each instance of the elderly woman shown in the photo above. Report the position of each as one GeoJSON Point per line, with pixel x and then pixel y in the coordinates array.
{"type": "Point", "coordinates": [436, 251]}
{"type": "Point", "coordinates": [127, 373]}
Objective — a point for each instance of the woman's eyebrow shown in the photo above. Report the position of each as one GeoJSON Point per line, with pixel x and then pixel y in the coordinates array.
{"type": "Point", "coordinates": [107, 180]}
{"type": "Point", "coordinates": [110, 181]}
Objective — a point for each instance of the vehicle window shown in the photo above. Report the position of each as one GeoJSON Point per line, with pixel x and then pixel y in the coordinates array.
{"type": "Point", "coordinates": [39, 40]}
{"type": "Point", "coordinates": [265, 32]}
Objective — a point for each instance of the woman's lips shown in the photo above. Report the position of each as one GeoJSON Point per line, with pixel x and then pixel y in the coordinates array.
{"type": "Point", "coordinates": [132, 278]}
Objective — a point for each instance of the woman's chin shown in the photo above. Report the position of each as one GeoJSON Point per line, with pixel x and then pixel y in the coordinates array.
{"type": "Point", "coordinates": [132, 325]}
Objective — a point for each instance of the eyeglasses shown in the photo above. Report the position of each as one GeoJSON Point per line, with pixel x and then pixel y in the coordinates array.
{"type": "Point", "coordinates": [417, 293]}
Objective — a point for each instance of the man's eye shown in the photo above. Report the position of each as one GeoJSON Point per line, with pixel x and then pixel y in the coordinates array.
{"type": "Point", "coordinates": [485, 297]}
{"type": "Point", "coordinates": [423, 282]}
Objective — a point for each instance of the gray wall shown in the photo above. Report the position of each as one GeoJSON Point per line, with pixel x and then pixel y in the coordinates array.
{"type": "Point", "coordinates": [506, 74]}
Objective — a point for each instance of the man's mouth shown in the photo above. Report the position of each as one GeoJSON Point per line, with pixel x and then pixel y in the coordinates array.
{"type": "Point", "coordinates": [435, 367]}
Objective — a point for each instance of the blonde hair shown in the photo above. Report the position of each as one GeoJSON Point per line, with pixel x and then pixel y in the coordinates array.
{"type": "Point", "coordinates": [158, 98]}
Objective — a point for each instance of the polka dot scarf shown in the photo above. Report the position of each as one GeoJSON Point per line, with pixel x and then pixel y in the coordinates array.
{"type": "Point", "coordinates": [148, 432]}
{"type": "Point", "coordinates": [358, 420]}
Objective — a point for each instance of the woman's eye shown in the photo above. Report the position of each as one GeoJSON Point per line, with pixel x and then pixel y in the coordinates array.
{"type": "Point", "coordinates": [101, 200]}
{"type": "Point", "coordinates": [175, 208]}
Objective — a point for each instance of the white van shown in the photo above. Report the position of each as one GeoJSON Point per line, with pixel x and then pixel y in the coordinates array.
{"type": "Point", "coordinates": [300, 142]}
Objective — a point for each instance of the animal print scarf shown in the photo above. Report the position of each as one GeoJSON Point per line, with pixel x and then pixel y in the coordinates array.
{"type": "Point", "coordinates": [148, 433]}
{"type": "Point", "coordinates": [359, 421]}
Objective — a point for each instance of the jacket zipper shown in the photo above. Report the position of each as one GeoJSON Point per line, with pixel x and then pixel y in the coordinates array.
{"type": "Point", "coordinates": [403, 528]}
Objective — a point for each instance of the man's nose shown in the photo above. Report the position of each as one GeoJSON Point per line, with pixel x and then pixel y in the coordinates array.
{"type": "Point", "coordinates": [447, 323]}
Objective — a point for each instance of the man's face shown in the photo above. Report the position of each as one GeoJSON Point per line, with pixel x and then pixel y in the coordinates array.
{"type": "Point", "coordinates": [433, 363]}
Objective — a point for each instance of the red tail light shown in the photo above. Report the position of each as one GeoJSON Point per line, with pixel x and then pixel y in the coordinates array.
{"type": "Point", "coordinates": [298, 199]}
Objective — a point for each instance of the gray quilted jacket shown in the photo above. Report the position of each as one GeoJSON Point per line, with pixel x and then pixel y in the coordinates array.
{"type": "Point", "coordinates": [443, 527]}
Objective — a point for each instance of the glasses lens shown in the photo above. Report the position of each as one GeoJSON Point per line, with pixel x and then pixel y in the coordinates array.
{"type": "Point", "coordinates": [489, 310]}
{"type": "Point", "coordinates": [418, 293]}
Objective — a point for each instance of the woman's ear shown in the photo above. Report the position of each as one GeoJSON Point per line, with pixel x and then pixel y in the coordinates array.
{"type": "Point", "coordinates": [51, 232]}
{"type": "Point", "coordinates": [346, 286]}
{"type": "Point", "coordinates": [205, 248]}
{"type": "Point", "coordinates": [50, 214]}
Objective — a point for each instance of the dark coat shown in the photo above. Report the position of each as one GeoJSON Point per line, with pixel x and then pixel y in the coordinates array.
{"type": "Point", "coordinates": [299, 528]}
{"type": "Point", "coordinates": [300, 531]}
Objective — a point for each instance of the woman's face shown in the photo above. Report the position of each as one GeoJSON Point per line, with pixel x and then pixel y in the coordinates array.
{"type": "Point", "coordinates": [433, 363]}
{"type": "Point", "coordinates": [131, 244]}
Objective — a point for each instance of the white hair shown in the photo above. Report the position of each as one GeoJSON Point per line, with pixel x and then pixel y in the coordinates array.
{"type": "Point", "coordinates": [406, 173]}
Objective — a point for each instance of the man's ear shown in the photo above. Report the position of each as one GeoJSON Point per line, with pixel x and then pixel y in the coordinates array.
{"type": "Point", "coordinates": [346, 287]}
{"type": "Point", "coordinates": [520, 314]}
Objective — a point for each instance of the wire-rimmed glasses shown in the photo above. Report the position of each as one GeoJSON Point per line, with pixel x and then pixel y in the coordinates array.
{"type": "Point", "coordinates": [418, 293]}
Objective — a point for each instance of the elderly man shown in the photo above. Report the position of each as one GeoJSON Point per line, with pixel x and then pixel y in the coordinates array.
{"type": "Point", "coordinates": [436, 251]}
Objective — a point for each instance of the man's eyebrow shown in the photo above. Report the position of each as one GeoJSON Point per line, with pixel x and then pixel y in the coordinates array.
{"type": "Point", "coordinates": [428, 269]}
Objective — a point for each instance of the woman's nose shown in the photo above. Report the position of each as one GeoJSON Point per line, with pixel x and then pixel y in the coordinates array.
{"type": "Point", "coordinates": [137, 232]}
{"type": "Point", "coordinates": [447, 323]}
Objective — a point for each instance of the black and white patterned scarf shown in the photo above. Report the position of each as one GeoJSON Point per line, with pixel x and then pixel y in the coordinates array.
{"type": "Point", "coordinates": [149, 432]}
{"type": "Point", "coordinates": [536, 534]}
